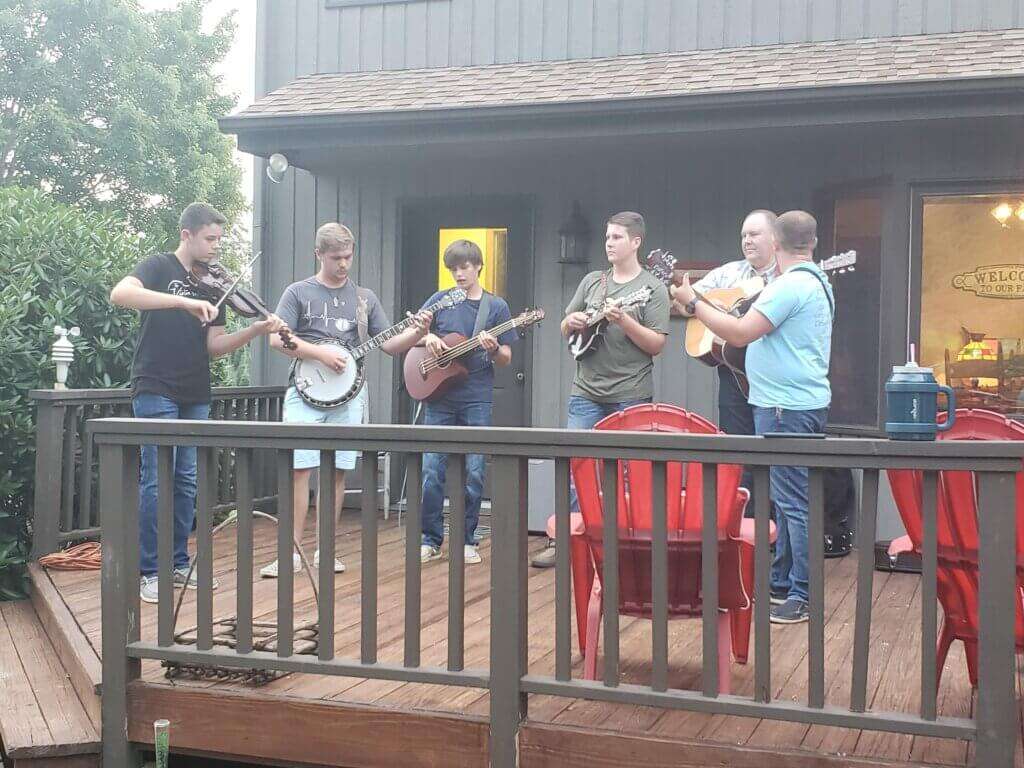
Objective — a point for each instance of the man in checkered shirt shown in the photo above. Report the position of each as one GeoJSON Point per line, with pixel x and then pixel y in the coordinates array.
{"type": "Point", "coordinates": [735, 416]}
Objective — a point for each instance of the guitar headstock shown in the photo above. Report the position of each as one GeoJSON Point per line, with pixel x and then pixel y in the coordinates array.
{"type": "Point", "coordinates": [529, 317]}
{"type": "Point", "coordinates": [453, 297]}
{"type": "Point", "coordinates": [660, 264]}
{"type": "Point", "coordinates": [840, 264]}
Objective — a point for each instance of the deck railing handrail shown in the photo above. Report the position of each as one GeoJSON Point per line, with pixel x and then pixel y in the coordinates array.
{"type": "Point", "coordinates": [508, 679]}
{"type": "Point", "coordinates": [64, 508]}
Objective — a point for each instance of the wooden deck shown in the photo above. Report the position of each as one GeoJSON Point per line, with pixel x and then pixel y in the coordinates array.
{"type": "Point", "coordinates": [356, 722]}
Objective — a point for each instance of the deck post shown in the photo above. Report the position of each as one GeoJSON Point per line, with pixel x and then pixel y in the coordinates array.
{"type": "Point", "coordinates": [508, 614]}
{"type": "Point", "coordinates": [49, 477]}
{"type": "Point", "coordinates": [119, 594]}
{"type": "Point", "coordinates": [997, 709]}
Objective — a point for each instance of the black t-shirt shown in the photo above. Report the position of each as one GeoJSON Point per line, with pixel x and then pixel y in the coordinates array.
{"type": "Point", "coordinates": [171, 357]}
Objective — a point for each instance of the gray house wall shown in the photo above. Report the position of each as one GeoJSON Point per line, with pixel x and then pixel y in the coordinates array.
{"type": "Point", "coordinates": [342, 35]}
{"type": "Point", "coordinates": [694, 193]}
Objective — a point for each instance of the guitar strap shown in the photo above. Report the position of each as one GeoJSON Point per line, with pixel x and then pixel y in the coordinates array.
{"type": "Point", "coordinates": [828, 297]}
{"type": "Point", "coordinates": [482, 313]}
{"type": "Point", "coordinates": [362, 314]}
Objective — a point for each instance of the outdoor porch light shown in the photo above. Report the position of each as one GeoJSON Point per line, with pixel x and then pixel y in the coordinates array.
{"type": "Point", "coordinates": [574, 238]}
{"type": "Point", "coordinates": [62, 353]}
{"type": "Point", "coordinates": [277, 164]}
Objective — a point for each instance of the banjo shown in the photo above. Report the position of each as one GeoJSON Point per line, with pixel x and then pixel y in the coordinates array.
{"type": "Point", "coordinates": [322, 387]}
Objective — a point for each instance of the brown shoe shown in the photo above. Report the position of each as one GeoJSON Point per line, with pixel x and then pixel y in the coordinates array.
{"type": "Point", "coordinates": [546, 557]}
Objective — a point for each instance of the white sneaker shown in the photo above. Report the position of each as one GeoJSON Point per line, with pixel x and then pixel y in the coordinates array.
{"type": "Point", "coordinates": [339, 567]}
{"type": "Point", "coordinates": [270, 571]}
{"type": "Point", "coordinates": [429, 553]}
{"type": "Point", "coordinates": [148, 589]}
{"type": "Point", "coordinates": [471, 555]}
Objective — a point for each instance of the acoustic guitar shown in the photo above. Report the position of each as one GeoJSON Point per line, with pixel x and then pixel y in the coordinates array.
{"type": "Point", "coordinates": [702, 344]}
{"type": "Point", "coordinates": [428, 377]}
{"type": "Point", "coordinates": [584, 341]}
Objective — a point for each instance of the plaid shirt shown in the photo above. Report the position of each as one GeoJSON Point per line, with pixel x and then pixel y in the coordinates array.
{"type": "Point", "coordinates": [729, 275]}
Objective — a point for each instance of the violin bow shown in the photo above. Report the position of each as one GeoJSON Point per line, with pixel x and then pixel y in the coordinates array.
{"type": "Point", "coordinates": [241, 274]}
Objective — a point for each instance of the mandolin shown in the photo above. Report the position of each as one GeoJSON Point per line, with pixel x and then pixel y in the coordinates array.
{"type": "Point", "coordinates": [428, 377]}
{"type": "Point", "coordinates": [702, 344]}
{"type": "Point", "coordinates": [584, 341]}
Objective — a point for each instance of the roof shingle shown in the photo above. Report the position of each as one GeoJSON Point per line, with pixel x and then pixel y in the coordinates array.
{"type": "Point", "coordinates": [918, 58]}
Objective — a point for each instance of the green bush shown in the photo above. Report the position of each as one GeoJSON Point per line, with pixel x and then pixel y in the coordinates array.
{"type": "Point", "coordinates": [57, 263]}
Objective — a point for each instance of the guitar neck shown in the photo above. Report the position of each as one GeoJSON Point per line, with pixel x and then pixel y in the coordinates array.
{"type": "Point", "coordinates": [474, 343]}
{"type": "Point", "coordinates": [389, 333]}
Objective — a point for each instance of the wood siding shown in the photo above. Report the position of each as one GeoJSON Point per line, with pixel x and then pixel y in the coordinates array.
{"type": "Point", "coordinates": [694, 193]}
{"type": "Point", "coordinates": [312, 36]}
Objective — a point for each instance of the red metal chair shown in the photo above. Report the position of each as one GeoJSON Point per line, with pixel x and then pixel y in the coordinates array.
{"type": "Point", "coordinates": [957, 535]}
{"type": "Point", "coordinates": [684, 522]}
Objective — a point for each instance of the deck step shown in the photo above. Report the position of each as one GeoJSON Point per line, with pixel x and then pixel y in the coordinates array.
{"type": "Point", "coordinates": [42, 718]}
{"type": "Point", "coordinates": [69, 640]}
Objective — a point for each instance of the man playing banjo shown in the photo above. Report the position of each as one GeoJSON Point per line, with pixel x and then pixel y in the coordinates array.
{"type": "Point", "coordinates": [330, 306]}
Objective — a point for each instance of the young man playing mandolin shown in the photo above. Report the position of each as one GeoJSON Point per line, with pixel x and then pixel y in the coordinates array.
{"type": "Point", "coordinates": [469, 402]}
{"type": "Point", "coordinates": [619, 372]}
{"type": "Point", "coordinates": [757, 242]}
{"type": "Point", "coordinates": [330, 306]}
{"type": "Point", "coordinates": [788, 335]}
{"type": "Point", "coordinates": [179, 334]}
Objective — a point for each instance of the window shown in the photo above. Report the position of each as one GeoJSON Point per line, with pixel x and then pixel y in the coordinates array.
{"type": "Point", "coordinates": [972, 297]}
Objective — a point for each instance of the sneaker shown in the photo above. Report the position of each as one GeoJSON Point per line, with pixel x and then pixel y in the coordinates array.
{"type": "Point", "coordinates": [339, 567]}
{"type": "Point", "coordinates": [270, 571]}
{"type": "Point", "coordinates": [471, 555]}
{"type": "Point", "coordinates": [778, 597]}
{"type": "Point", "coordinates": [790, 612]}
{"type": "Point", "coordinates": [181, 575]}
{"type": "Point", "coordinates": [148, 590]}
{"type": "Point", "coordinates": [429, 553]}
{"type": "Point", "coordinates": [546, 557]}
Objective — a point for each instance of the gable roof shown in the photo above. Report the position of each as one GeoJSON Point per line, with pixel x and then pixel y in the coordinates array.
{"type": "Point", "coordinates": [823, 65]}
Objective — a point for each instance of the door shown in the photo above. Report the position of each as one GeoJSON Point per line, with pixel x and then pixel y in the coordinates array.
{"type": "Point", "coordinates": [503, 227]}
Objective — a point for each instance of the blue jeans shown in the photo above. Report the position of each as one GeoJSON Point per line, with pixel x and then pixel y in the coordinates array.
{"type": "Point", "coordinates": [150, 406]}
{"type": "Point", "coordinates": [435, 466]}
{"type": "Point", "coordinates": [789, 497]}
{"type": "Point", "coordinates": [584, 414]}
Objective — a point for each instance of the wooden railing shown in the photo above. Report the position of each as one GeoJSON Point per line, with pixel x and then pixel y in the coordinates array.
{"type": "Point", "coordinates": [993, 726]}
{"type": "Point", "coordinates": [65, 507]}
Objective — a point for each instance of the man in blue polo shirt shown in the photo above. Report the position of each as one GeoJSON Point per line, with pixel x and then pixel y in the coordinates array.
{"type": "Point", "coordinates": [469, 402]}
{"type": "Point", "coordinates": [788, 335]}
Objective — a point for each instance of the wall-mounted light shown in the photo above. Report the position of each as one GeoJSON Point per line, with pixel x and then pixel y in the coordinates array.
{"type": "Point", "coordinates": [1002, 213]}
{"type": "Point", "coordinates": [277, 164]}
{"type": "Point", "coordinates": [574, 238]}
{"type": "Point", "coordinates": [1020, 212]}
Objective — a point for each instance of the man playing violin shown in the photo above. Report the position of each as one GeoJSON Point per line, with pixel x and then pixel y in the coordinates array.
{"type": "Point", "coordinates": [179, 334]}
{"type": "Point", "coordinates": [330, 305]}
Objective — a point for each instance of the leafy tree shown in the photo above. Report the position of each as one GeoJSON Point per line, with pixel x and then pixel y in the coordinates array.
{"type": "Point", "coordinates": [109, 106]}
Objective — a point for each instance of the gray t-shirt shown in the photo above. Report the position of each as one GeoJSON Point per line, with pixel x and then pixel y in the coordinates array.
{"type": "Point", "coordinates": [618, 370]}
{"type": "Point", "coordinates": [315, 312]}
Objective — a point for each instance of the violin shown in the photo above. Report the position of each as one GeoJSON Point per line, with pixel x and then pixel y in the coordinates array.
{"type": "Point", "coordinates": [216, 284]}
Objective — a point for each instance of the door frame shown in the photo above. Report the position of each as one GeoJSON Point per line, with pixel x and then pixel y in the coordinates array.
{"type": "Point", "coordinates": [471, 211]}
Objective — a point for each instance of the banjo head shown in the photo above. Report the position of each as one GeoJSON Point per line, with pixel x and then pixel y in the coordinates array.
{"type": "Point", "coordinates": [321, 387]}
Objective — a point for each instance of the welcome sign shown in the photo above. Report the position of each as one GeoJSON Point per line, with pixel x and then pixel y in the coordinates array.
{"type": "Point", "coordinates": [996, 281]}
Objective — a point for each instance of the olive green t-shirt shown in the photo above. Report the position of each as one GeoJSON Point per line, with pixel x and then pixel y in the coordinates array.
{"type": "Point", "coordinates": [618, 370]}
